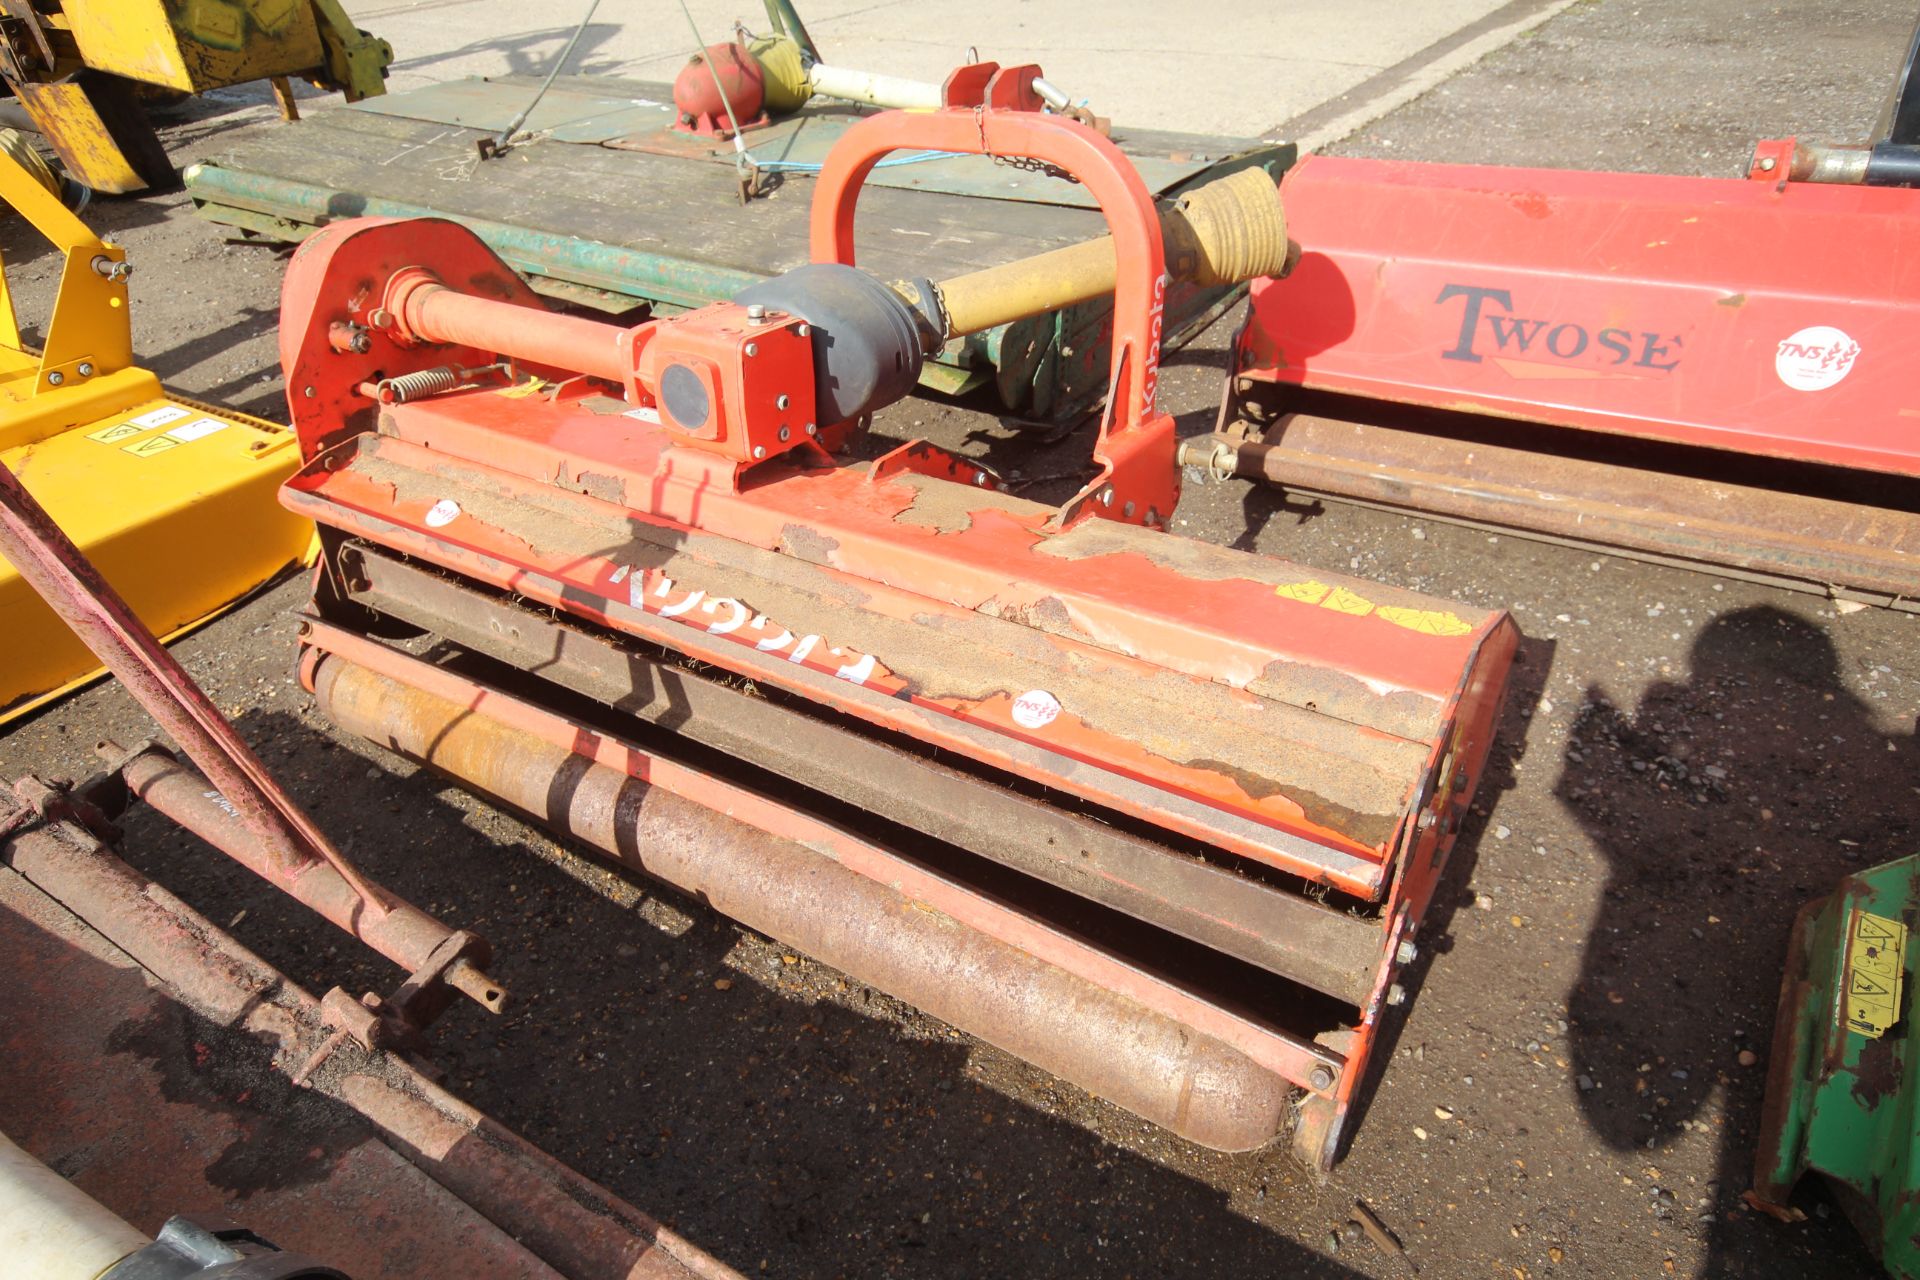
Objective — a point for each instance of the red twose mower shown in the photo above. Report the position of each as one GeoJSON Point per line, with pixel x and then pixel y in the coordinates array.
{"type": "Point", "coordinates": [1706, 372]}
{"type": "Point", "coordinates": [1158, 816]}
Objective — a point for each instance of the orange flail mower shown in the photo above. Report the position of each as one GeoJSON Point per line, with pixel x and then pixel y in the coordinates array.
{"type": "Point", "coordinates": [1158, 816]}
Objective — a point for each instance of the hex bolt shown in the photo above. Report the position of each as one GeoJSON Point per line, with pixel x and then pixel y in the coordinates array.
{"type": "Point", "coordinates": [380, 318]}
{"type": "Point", "coordinates": [1127, 511]}
{"type": "Point", "coordinates": [1396, 994]}
{"type": "Point", "coordinates": [812, 430]}
{"type": "Point", "coordinates": [85, 370]}
{"type": "Point", "coordinates": [1406, 953]}
{"type": "Point", "coordinates": [1766, 165]}
{"type": "Point", "coordinates": [55, 378]}
{"type": "Point", "coordinates": [804, 330]}
{"type": "Point", "coordinates": [752, 349]}
{"type": "Point", "coordinates": [781, 402]}
{"type": "Point", "coordinates": [1106, 496]}
{"type": "Point", "coordinates": [980, 477]}
{"type": "Point", "coordinates": [756, 313]}
{"type": "Point", "coordinates": [1321, 1078]}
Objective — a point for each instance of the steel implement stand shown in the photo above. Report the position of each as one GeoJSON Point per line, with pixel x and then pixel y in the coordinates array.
{"type": "Point", "coordinates": [246, 812]}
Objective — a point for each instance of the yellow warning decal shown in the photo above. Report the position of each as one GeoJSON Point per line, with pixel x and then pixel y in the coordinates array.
{"type": "Point", "coordinates": [117, 432]}
{"type": "Point", "coordinates": [521, 390]}
{"type": "Point", "coordinates": [152, 445]}
{"type": "Point", "coordinates": [1431, 622]}
{"type": "Point", "coordinates": [1308, 592]}
{"type": "Point", "coordinates": [1876, 970]}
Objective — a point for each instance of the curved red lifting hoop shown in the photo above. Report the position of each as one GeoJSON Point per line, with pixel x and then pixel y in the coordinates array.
{"type": "Point", "coordinates": [1138, 481]}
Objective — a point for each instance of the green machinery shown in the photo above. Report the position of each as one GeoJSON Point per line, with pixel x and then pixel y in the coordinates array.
{"type": "Point", "coordinates": [1840, 1099]}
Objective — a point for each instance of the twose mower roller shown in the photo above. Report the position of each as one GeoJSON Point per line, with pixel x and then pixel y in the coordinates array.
{"type": "Point", "coordinates": [1159, 816]}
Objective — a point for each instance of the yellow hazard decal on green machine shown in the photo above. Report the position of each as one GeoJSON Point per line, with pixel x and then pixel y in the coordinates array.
{"type": "Point", "coordinates": [1876, 970]}
{"type": "Point", "coordinates": [1432, 622]}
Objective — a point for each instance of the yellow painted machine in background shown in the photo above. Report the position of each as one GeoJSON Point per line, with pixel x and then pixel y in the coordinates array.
{"type": "Point", "coordinates": [174, 502]}
{"type": "Point", "coordinates": [75, 65]}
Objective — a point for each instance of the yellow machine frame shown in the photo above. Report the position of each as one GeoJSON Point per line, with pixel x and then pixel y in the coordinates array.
{"type": "Point", "coordinates": [74, 67]}
{"type": "Point", "coordinates": [172, 500]}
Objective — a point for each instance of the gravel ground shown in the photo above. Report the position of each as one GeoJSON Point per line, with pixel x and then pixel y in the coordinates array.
{"type": "Point", "coordinates": [1573, 1091]}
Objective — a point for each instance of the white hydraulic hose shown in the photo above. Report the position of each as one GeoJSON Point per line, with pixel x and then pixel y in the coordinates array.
{"type": "Point", "coordinates": [51, 1229]}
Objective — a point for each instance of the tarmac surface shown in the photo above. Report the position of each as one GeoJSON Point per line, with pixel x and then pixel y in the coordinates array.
{"type": "Point", "coordinates": [1210, 67]}
{"type": "Point", "coordinates": [1573, 1091]}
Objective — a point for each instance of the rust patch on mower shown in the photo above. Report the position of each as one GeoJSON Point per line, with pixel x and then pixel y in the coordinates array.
{"type": "Point", "coordinates": [946, 507]}
{"type": "Point", "coordinates": [804, 543]}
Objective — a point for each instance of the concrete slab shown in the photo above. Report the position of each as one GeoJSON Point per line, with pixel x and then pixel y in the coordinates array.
{"type": "Point", "coordinates": [1210, 67]}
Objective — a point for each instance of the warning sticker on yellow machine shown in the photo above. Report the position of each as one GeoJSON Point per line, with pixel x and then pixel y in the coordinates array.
{"type": "Point", "coordinates": [144, 422]}
{"type": "Point", "coordinates": [1876, 970]}
{"type": "Point", "coordinates": [152, 445]}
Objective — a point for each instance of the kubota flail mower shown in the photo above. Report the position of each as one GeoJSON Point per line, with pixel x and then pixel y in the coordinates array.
{"type": "Point", "coordinates": [1159, 816]}
{"type": "Point", "coordinates": [1714, 373]}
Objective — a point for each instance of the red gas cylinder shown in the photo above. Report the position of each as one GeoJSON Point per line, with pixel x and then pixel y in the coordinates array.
{"type": "Point", "coordinates": [696, 91]}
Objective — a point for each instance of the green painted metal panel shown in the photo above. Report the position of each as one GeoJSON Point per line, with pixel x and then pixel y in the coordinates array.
{"type": "Point", "coordinates": [1840, 1101]}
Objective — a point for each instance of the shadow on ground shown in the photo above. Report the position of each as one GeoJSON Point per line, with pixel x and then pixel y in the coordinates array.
{"type": "Point", "coordinates": [1722, 804]}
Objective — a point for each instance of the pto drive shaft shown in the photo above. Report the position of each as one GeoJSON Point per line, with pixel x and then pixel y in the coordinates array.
{"type": "Point", "coordinates": [1230, 230]}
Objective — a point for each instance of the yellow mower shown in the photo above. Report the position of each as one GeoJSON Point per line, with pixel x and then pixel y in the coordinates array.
{"type": "Point", "coordinates": [174, 501]}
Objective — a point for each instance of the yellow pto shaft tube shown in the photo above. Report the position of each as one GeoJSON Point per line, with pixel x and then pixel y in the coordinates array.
{"type": "Point", "coordinates": [1229, 230]}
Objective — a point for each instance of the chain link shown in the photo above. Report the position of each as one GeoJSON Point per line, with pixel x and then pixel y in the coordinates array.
{"type": "Point", "coordinates": [1026, 163]}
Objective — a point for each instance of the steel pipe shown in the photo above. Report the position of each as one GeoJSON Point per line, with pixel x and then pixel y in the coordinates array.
{"type": "Point", "coordinates": [1154, 1066]}
{"type": "Point", "coordinates": [403, 933]}
{"type": "Point", "coordinates": [575, 1225]}
{"type": "Point", "coordinates": [873, 88]}
{"type": "Point", "coordinates": [425, 309]}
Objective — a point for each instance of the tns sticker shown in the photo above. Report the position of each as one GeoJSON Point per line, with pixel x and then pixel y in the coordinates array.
{"type": "Point", "coordinates": [1035, 709]}
{"type": "Point", "coordinates": [1815, 358]}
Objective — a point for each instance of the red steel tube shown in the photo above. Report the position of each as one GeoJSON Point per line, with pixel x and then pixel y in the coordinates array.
{"type": "Point", "coordinates": [1155, 1066]}
{"type": "Point", "coordinates": [57, 569]}
{"type": "Point", "coordinates": [403, 933]}
{"type": "Point", "coordinates": [575, 1225]}
{"type": "Point", "coordinates": [431, 311]}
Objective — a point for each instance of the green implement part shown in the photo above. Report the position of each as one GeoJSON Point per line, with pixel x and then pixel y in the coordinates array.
{"type": "Point", "coordinates": [606, 205]}
{"type": "Point", "coordinates": [1840, 1096]}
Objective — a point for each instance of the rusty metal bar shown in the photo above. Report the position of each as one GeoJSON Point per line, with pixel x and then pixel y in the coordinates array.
{"type": "Point", "coordinates": [878, 920]}
{"type": "Point", "coordinates": [1280, 931]}
{"type": "Point", "coordinates": [573, 1224]}
{"type": "Point", "coordinates": [282, 841]}
{"type": "Point", "coordinates": [1799, 541]}
{"type": "Point", "coordinates": [43, 554]}
{"type": "Point", "coordinates": [403, 933]}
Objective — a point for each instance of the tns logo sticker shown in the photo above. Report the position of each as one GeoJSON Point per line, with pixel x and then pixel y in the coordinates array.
{"type": "Point", "coordinates": [1815, 358]}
